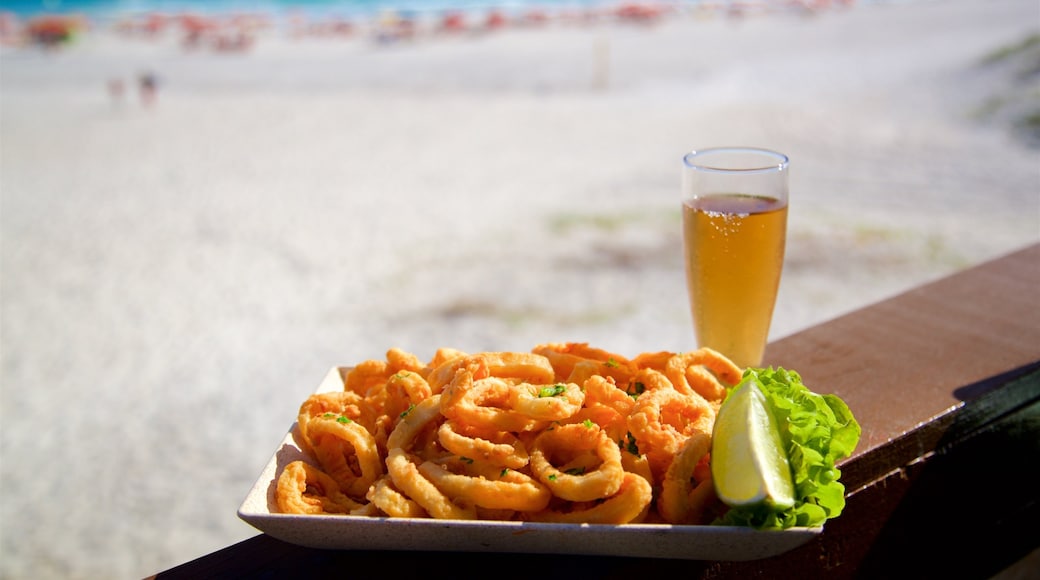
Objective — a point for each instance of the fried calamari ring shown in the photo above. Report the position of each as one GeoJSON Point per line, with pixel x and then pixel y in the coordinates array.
{"type": "Point", "coordinates": [662, 420]}
{"type": "Point", "coordinates": [565, 356]}
{"type": "Point", "coordinates": [440, 357]}
{"type": "Point", "coordinates": [407, 478]}
{"type": "Point", "coordinates": [367, 374]}
{"type": "Point", "coordinates": [681, 501]}
{"type": "Point", "coordinates": [337, 403]}
{"type": "Point", "coordinates": [398, 360]}
{"type": "Point", "coordinates": [564, 443]}
{"type": "Point", "coordinates": [500, 448]}
{"type": "Point", "coordinates": [648, 379]}
{"type": "Point", "coordinates": [583, 371]}
{"type": "Point", "coordinates": [554, 402]}
{"type": "Point", "coordinates": [416, 431]}
{"type": "Point", "coordinates": [630, 504]}
{"type": "Point", "coordinates": [488, 486]}
{"type": "Point", "coordinates": [413, 421]}
{"type": "Point", "coordinates": [347, 452]}
{"type": "Point", "coordinates": [400, 391]}
{"type": "Point", "coordinates": [484, 403]}
{"type": "Point", "coordinates": [304, 489]}
{"type": "Point", "coordinates": [600, 390]}
{"type": "Point", "coordinates": [370, 374]}
{"type": "Point", "coordinates": [607, 418]}
{"type": "Point", "coordinates": [404, 389]}
{"type": "Point", "coordinates": [637, 464]}
{"type": "Point", "coordinates": [392, 502]}
{"type": "Point", "coordinates": [527, 367]}
{"type": "Point", "coordinates": [605, 405]}
{"type": "Point", "coordinates": [701, 371]}
{"type": "Point", "coordinates": [653, 360]}
{"type": "Point", "coordinates": [665, 418]}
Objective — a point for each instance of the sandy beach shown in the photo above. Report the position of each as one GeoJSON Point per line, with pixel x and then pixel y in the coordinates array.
{"type": "Point", "coordinates": [177, 277]}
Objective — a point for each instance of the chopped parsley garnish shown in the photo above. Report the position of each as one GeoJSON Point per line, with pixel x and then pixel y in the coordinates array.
{"type": "Point", "coordinates": [588, 423]}
{"type": "Point", "coordinates": [343, 419]}
{"type": "Point", "coordinates": [575, 471]}
{"type": "Point", "coordinates": [629, 444]}
{"type": "Point", "coordinates": [406, 411]}
{"type": "Point", "coordinates": [612, 363]}
{"type": "Point", "coordinates": [552, 391]}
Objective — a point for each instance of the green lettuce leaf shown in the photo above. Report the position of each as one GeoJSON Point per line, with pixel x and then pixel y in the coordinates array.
{"type": "Point", "coordinates": [818, 431]}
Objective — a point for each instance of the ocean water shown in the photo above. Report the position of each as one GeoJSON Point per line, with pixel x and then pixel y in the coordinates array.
{"type": "Point", "coordinates": [100, 10]}
{"type": "Point", "coordinates": [107, 8]}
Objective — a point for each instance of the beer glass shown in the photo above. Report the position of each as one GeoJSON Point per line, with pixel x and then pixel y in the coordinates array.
{"type": "Point", "coordinates": [734, 233]}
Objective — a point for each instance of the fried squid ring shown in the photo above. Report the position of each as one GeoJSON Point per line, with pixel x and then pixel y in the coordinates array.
{"type": "Point", "coordinates": [304, 489]}
{"type": "Point", "coordinates": [681, 501]}
{"type": "Point", "coordinates": [398, 360]}
{"type": "Point", "coordinates": [416, 429]}
{"type": "Point", "coordinates": [562, 444]}
{"type": "Point", "coordinates": [413, 421]}
{"type": "Point", "coordinates": [552, 402]}
{"type": "Point", "coordinates": [601, 390]}
{"type": "Point", "coordinates": [500, 448]}
{"type": "Point", "coordinates": [384, 496]}
{"type": "Point", "coordinates": [583, 371]}
{"type": "Point", "coordinates": [527, 367]}
{"type": "Point", "coordinates": [489, 486]}
{"type": "Point", "coordinates": [337, 403]}
{"type": "Point", "coordinates": [605, 405]}
{"type": "Point", "coordinates": [347, 452]}
{"type": "Point", "coordinates": [404, 389]}
{"type": "Point", "coordinates": [648, 380]}
{"type": "Point", "coordinates": [484, 403]}
{"type": "Point", "coordinates": [701, 371]}
{"type": "Point", "coordinates": [630, 504]}
{"type": "Point", "coordinates": [565, 356]}
{"type": "Point", "coordinates": [637, 464]}
{"type": "Point", "coordinates": [662, 420]}
{"type": "Point", "coordinates": [653, 360]}
{"type": "Point", "coordinates": [609, 420]}
{"type": "Point", "coordinates": [367, 374]}
{"type": "Point", "coordinates": [440, 357]}
{"type": "Point", "coordinates": [407, 478]}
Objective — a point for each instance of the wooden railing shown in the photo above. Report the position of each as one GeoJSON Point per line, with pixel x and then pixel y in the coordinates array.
{"type": "Point", "coordinates": [945, 381]}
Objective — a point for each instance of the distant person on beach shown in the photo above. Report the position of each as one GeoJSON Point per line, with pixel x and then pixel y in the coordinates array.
{"type": "Point", "coordinates": [116, 89]}
{"type": "Point", "coordinates": [149, 88]}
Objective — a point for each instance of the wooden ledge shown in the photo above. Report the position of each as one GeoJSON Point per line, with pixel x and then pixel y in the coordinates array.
{"type": "Point", "coordinates": [922, 354]}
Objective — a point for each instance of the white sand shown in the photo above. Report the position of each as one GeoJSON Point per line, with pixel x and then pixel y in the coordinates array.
{"type": "Point", "coordinates": [176, 280]}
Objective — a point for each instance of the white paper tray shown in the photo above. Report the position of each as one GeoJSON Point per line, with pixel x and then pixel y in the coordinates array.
{"type": "Point", "coordinates": [633, 540]}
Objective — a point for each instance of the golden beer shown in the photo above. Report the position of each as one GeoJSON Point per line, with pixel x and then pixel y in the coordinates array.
{"type": "Point", "coordinates": [734, 248]}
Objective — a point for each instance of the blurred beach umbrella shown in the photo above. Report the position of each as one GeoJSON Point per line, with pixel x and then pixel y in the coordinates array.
{"type": "Point", "coordinates": [196, 24]}
{"type": "Point", "coordinates": [453, 21]}
{"type": "Point", "coordinates": [54, 29]}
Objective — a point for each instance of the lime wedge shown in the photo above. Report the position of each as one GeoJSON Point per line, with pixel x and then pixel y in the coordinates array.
{"type": "Point", "coordinates": [749, 465]}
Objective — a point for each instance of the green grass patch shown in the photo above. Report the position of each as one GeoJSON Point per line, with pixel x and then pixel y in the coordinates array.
{"type": "Point", "coordinates": [610, 222]}
{"type": "Point", "coordinates": [1013, 49]}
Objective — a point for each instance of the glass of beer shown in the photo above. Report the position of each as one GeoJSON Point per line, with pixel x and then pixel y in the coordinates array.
{"type": "Point", "coordinates": [734, 234]}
